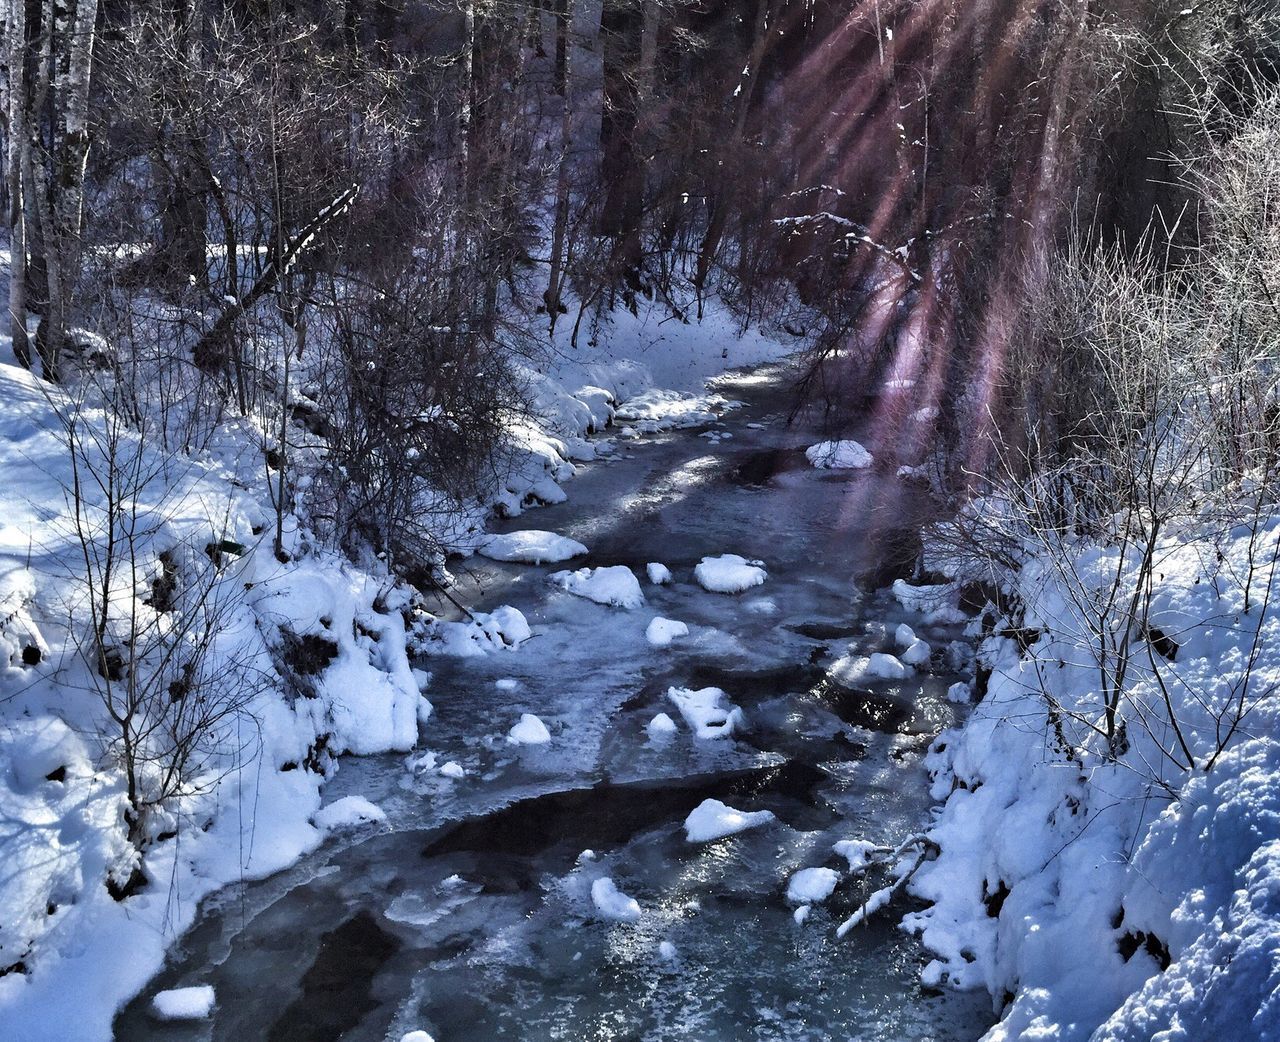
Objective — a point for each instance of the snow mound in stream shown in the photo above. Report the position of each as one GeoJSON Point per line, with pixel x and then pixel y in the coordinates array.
{"type": "Point", "coordinates": [712, 819]}
{"type": "Point", "coordinates": [529, 731]}
{"type": "Point", "coordinates": [194, 1003]}
{"type": "Point", "coordinates": [707, 711]}
{"type": "Point", "coordinates": [853, 670]}
{"type": "Point", "coordinates": [348, 812]}
{"type": "Point", "coordinates": [838, 455]}
{"type": "Point", "coordinates": [531, 546]}
{"type": "Point", "coordinates": [612, 903]}
{"type": "Point", "coordinates": [615, 585]}
{"type": "Point", "coordinates": [812, 885]}
{"type": "Point", "coordinates": [729, 573]}
{"type": "Point", "coordinates": [661, 632]}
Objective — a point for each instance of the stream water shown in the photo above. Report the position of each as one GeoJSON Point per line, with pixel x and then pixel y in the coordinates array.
{"type": "Point", "coordinates": [469, 913]}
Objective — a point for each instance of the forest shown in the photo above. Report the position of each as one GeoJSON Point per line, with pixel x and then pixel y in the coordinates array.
{"type": "Point", "coordinates": [894, 386]}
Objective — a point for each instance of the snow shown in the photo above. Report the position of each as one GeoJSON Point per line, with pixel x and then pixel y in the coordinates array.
{"type": "Point", "coordinates": [659, 574]}
{"type": "Point", "coordinates": [812, 885]}
{"type": "Point", "coordinates": [960, 693]}
{"type": "Point", "coordinates": [417, 1036]}
{"type": "Point", "coordinates": [852, 670]}
{"type": "Point", "coordinates": [661, 632]}
{"type": "Point", "coordinates": [858, 852]}
{"type": "Point", "coordinates": [904, 636]}
{"type": "Point", "coordinates": [1103, 875]}
{"type": "Point", "coordinates": [194, 1003]}
{"type": "Point", "coordinates": [801, 914]}
{"type": "Point", "coordinates": [615, 585]}
{"type": "Point", "coordinates": [531, 546]}
{"type": "Point", "coordinates": [729, 573]}
{"type": "Point", "coordinates": [838, 455]}
{"type": "Point", "coordinates": [712, 820]}
{"type": "Point", "coordinates": [707, 711]}
{"type": "Point", "coordinates": [347, 812]}
{"type": "Point", "coordinates": [917, 653]}
{"type": "Point", "coordinates": [453, 769]}
{"type": "Point", "coordinates": [529, 731]}
{"type": "Point", "coordinates": [612, 903]}
{"type": "Point", "coordinates": [660, 727]}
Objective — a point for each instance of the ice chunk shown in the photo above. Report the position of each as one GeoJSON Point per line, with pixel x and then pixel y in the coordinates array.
{"type": "Point", "coordinates": [662, 632]}
{"type": "Point", "coordinates": [712, 819]}
{"type": "Point", "coordinates": [729, 573]}
{"type": "Point", "coordinates": [193, 1003]}
{"type": "Point", "coordinates": [659, 574]}
{"type": "Point", "coordinates": [838, 455]}
{"type": "Point", "coordinates": [615, 585]}
{"type": "Point", "coordinates": [612, 903]}
{"type": "Point", "coordinates": [507, 684]}
{"type": "Point", "coordinates": [347, 812]}
{"type": "Point", "coordinates": [801, 913]}
{"type": "Point", "coordinates": [529, 731]}
{"type": "Point", "coordinates": [917, 653]}
{"type": "Point", "coordinates": [453, 769]}
{"type": "Point", "coordinates": [667, 950]}
{"type": "Point", "coordinates": [812, 885]}
{"type": "Point", "coordinates": [531, 547]}
{"type": "Point", "coordinates": [707, 711]}
{"type": "Point", "coordinates": [661, 726]}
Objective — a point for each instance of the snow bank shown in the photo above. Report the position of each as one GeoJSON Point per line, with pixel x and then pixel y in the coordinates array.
{"type": "Point", "coordinates": [194, 1003]}
{"type": "Point", "coordinates": [661, 632]}
{"type": "Point", "coordinates": [712, 819]}
{"type": "Point", "coordinates": [1113, 893]}
{"type": "Point", "coordinates": [707, 711]}
{"type": "Point", "coordinates": [838, 455]}
{"type": "Point", "coordinates": [615, 585]}
{"type": "Point", "coordinates": [529, 731]}
{"type": "Point", "coordinates": [612, 903]}
{"type": "Point", "coordinates": [729, 573]}
{"type": "Point", "coordinates": [531, 546]}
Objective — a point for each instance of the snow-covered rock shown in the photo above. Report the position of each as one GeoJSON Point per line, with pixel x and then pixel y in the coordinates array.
{"type": "Point", "coordinates": [348, 812]}
{"type": "Point", "coordinates": [529, 731]}
{"type": "Point", "coordinates": [904, 636]}
{"type": "Point", "coordinates": [659, 574]}
{"type": "Point", "coordinates": [858, 852]}
{"type": "Point", "coordinates": [612, 903]}
{"type": "Point", "coordinates": [729, 573]}
{"type": "Point", "coordinates": [917, 653]}
{"type": "Point", "coordinates": [839, 455]}
{"type": "Point", "coordinates": [615, 585]}
{"type": "Point", "coordinates": [712, 819]}
{"type": "Point", "coordinates": [960, 693]}
{"type": "Point", "coordinates": [707, 711]}
{"type": "Point", "coordinates": [661, 632]}
{"type": "Point", "coordinates": [453, 769]}
{"type": "Point", "coordinates": [812, 885]}
{"type": "Point", "coordinates": [853, 670]}
{"type": "Point", "coordinates": [660, 727]}
{"type": "Point", "coordinates": [531, 546]}
{"type": "Point", "coordinates": [194, 1003]}
{"type": "Point", "coordinates": [417, 1036]}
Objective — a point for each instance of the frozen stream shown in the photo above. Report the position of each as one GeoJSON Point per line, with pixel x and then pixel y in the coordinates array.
{"type": "Point", "coordinates": [469, 915]}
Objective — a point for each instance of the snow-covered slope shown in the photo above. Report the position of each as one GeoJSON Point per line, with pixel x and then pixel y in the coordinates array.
{"type": "Point", "coordinates": [1127, 896]}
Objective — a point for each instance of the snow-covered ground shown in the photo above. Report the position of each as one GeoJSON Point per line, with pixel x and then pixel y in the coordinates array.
{"type": "Point", "coordinates": [1133, 896]}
